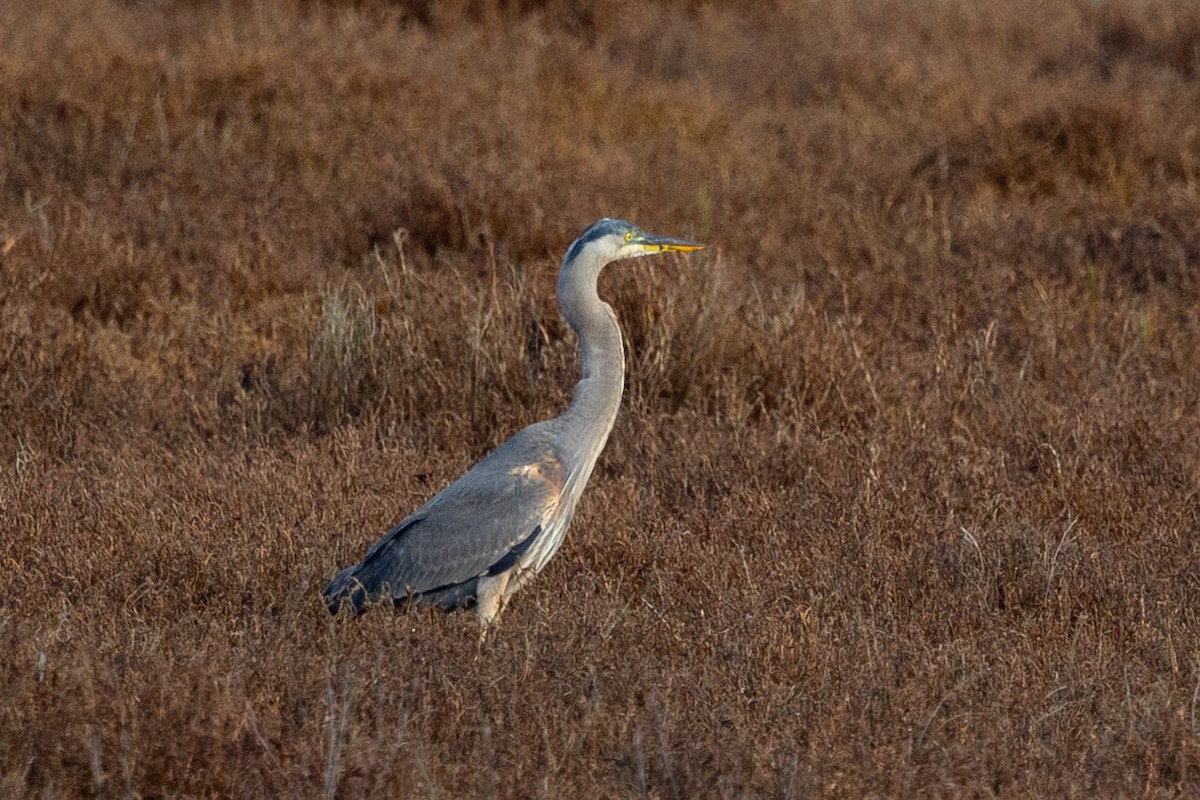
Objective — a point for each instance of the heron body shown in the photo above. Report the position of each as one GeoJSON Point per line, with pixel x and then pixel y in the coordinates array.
{"type": "Point", "coordinates": [478, 540]}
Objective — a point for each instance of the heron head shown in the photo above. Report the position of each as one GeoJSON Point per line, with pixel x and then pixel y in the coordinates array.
{"type": "Point", "coordinates": [613, 239]}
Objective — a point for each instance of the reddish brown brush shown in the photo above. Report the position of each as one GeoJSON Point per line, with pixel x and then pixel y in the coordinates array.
{"type": "Point", "coordinates": [903, 499]}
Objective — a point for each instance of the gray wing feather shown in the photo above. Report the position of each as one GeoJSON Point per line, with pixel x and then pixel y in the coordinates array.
{"type": "Point", "coordinates": [463, 531]}
{"type": "Point", "coordinates": [460, 533]}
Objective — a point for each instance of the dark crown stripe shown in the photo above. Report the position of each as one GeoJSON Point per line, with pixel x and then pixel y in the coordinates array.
{"type": "Point", "coordinates": [598, 229]}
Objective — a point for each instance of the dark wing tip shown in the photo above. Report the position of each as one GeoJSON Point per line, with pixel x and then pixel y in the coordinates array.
{"type": "Point", "coordinates": [345, 591]}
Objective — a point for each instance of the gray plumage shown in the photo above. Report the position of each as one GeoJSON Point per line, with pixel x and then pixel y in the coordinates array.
{"type": "Point", "coordinates": [479, 539]}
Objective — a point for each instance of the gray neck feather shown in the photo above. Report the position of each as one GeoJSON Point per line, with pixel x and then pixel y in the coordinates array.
{"type": "Point", "coordinates": [588, 421]}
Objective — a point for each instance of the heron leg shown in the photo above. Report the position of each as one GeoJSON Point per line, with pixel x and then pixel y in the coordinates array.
{"type": "Point", "coordinates": [489, 600]}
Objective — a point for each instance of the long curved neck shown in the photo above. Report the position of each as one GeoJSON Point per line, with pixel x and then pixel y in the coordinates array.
{"type": "Point", "coordinates": [598, 394]}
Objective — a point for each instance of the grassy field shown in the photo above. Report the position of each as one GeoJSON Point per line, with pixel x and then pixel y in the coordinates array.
{"type": "Point", "coordinates": [904, 497]}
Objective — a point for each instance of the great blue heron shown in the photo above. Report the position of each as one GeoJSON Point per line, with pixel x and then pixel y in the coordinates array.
{"type": "Point", "coordinates": [479, 539]}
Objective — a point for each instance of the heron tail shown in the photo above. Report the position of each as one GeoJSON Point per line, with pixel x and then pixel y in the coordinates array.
{"type": "Point", "coordinates": [345, 591]}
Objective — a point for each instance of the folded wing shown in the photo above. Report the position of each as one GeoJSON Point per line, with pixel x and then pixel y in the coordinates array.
{"type": "Point", "coordinates": [481, 524]}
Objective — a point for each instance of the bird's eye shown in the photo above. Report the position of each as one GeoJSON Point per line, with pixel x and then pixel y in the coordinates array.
{"type": "Point", "coordinates": [629, 236]}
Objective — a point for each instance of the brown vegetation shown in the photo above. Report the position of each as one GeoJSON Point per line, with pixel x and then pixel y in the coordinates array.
{"type": "Point", "coordinates": [903, 497]}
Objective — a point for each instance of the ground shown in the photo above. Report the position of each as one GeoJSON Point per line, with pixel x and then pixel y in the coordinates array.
{"type": "Point", "coordinates": [902, 498]}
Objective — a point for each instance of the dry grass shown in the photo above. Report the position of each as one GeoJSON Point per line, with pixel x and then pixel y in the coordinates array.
{"type": "Point", "coordinates": [903, 498]}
